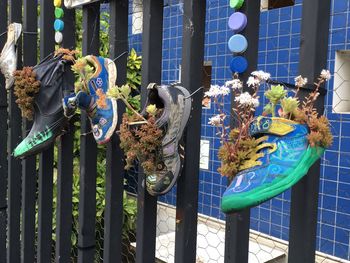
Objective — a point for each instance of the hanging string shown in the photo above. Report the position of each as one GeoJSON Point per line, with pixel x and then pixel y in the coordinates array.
{"type": "Point", "coordinates": [121, 55]}
{"type": "Point", "coordinates": [308, 87]}
{"type": "Point", "coordinates": [194, 92]}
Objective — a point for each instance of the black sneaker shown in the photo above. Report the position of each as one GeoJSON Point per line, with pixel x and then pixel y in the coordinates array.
{"type": "Point", "coordinates": [176, 104]}
{"type": "Point", "coordinates": [49, 120]}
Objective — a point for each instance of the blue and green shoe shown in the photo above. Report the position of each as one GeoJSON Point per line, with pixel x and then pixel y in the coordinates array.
{"type": "Point", "coordinates": [283, 157]}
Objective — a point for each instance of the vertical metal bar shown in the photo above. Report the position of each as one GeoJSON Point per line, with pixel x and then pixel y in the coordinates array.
{"type": "Point", "coordinates": [3, 141]}
{"type": "Point", "coordinates": [47, 46]}
{"type": "Point", "coordinates": [14, 165]}
{"type": "Point", "coordinates": [65, 160]}
{"type": "Point", "coordinates": [30, 24]}
{"type": "Point", "coordinates": [115, 166]}
{"type": "Point", "coordinates": [151, 72]}
{"type": "Point", "coordinates": [304, 202]}
{"type": "Point", "coordinates": [187, 186]}
{"type": "Point", "coordinates": [88, 149]}
{"type": "Point", "coordinates": [238, 224]}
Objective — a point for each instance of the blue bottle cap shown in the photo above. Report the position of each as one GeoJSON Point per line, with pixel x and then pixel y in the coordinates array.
{"type": "Point", "coordinates": [59, 25]}
{"type": "Point", "coordinates": [237, 22]}
{"type": "Point", "coordinates": [238, 43]}
{"type": "Point", "coordinates": [238, 64]}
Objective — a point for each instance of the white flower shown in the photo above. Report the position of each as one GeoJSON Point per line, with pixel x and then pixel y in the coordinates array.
{"type": "Point", "coordinates": [216, 90]}
{"type": "Point", "coordinates": [245, 99]}
{"type": "Point", "coordinates": [215, 120]}
{"type": "Point", "coordinates": [325, 74]}
{"type": "Point", "coordinates": [253, 82]}
{"type": "Point", "coordinates": [300, 81]}
{"type": "Point", "coordinates": [261, 75]}
{"type": "Point", "coordinates": [255, 102]}
{"type": "Point", "coordinates": [235, 84]}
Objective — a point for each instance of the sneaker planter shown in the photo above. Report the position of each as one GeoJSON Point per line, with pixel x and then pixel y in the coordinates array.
{"type": "Point", "coordinates": [76, 3]}
{"type": "Point", "coordinates": [264, 156]}
{"type": "Point", "coordinates": [95, 76]}
{"type": "Point", "coordinates": [8, 57]}
{"type": "Point", "coordinates": [281, 158]}
{"type": "Point", "coordinates": [156, 140]}
{"type": "Point", "coordinates": [40, 91]}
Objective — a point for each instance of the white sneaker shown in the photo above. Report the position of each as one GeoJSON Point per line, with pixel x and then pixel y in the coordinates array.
{"type": "Point", "coordinates": [8, 57]}
{"type": "Point", "coordinates": [76, 3]}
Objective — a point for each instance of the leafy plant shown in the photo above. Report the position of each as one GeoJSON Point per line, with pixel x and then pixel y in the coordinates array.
{"type": "Point", "coordinates": [134, 70]}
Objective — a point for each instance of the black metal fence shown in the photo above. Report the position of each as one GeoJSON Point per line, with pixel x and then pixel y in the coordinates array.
{"type": "Point", "coordinates": [26, 191]}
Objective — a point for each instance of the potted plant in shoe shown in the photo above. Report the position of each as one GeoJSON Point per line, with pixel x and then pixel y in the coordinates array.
{"type": "Point", "coordinates": [265, 155]}
{"type": "Point", "coordinates": [154, 136]}
{"type": "Point", "coordinates": [39, 91]}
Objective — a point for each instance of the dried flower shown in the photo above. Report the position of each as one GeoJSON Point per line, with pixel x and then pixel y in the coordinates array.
{"type": "Point", "coordinates": [245, 99]}
{"type": "Point", "coordinates": [216, 90]}
{"type": "Point", "coordinates": [300, 81]}
{"type": "Point", "coordinates": [234, 84]}
{"type": "Point", "coordinates": [325, 74]}
{"type": "Point", "coordinates": [69, 55]}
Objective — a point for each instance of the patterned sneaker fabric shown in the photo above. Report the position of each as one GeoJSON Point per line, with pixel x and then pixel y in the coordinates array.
{"type": "Point", "coordinates": [283, 158]}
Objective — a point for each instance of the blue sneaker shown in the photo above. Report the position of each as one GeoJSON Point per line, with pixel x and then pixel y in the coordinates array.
{"type": "Point", "coordinates": [102, 111]}
{"type": "Point", "coordinates": [282, 158]}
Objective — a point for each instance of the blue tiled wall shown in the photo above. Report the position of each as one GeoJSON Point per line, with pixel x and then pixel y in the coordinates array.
{"type": "Point", "coordinates": [279, 55]}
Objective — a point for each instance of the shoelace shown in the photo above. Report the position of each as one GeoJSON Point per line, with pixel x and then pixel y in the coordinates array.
{"type": "Point", "coordinates": [253, 158]}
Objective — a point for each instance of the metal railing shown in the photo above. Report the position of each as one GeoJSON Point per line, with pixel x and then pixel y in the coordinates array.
{"type": "Point", "coordinates": [23, 195]}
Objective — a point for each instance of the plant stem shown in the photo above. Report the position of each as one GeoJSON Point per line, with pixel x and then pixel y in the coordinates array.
{"type": "Point", "coordinates": [273, 110]}
{"type": "Point", "coordinates": [131, 108]}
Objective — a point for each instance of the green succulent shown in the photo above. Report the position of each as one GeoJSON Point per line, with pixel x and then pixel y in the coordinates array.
{"type": "Point", "coordinates": [289, 105]}
{"type": "Point", "coordinates": [268, 109]}
{"type": "Point", "coordinates": [275, 94]}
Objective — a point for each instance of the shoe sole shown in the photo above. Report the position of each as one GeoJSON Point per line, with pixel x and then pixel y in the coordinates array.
{"type": "Point", "coordinates": [264, 193]}
{"type": "Point", "coordinates": [179, 139]}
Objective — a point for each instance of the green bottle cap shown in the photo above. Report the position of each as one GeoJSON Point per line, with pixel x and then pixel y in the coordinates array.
{"type": "Point", "coordinates": [59, 12]}
{"type": "Point", "coordinates": [236, 4]}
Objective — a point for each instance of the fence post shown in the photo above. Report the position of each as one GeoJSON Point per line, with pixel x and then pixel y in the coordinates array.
{"type": "Point", "coordinates": [47, 45]}
{"type": "Point", "coordinates": [65, 160]}
{"type": "Point", "coordinates": [88, 149]}
{"type": "Point", "coordinates": [187, 186]}
{"type": "Point", "coordinates": [238, 224]}
{"type": "Point", "coordinates": [14, 165]}
{"type": "Point", "coordinates": [30, 24]}
{"type": "Point", "coordinates": [151, 72]}
{"type": "Point", "coordinates": [119, 11]}
{"type": "Point", "coordinates": [304, 202]}
{"type": "Point", "coordinates": [3, 140]}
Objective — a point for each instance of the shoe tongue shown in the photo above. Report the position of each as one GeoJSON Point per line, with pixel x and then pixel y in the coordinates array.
{"type": "Point", "coordinates": [274, 126]}
{"type": "Point", "coordinates": [166, 100]}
